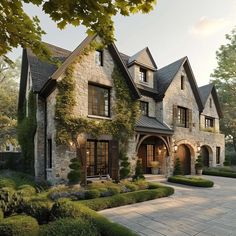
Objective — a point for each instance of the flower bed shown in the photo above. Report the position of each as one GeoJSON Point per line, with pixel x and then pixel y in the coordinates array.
{"type": "Point", "coordinates": [192, 181]}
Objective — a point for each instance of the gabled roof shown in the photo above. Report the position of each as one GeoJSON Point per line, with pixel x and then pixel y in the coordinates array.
{"type": "Point", "coordinates": [205, 92]}
{"type": "Point", "coordinates": [152, 125]}
{"type": "Point", "coordinates": [143, 58]}
{"type": "Point", "coordinates": [164, 77]}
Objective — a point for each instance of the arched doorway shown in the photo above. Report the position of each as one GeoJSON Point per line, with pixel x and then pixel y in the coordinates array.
{"type": "Point", "coordinates": [205, 156]}
{"type": "Point", "coordinates": [184, 155]}
{"type": "Point", "coordinates": [153, 149]}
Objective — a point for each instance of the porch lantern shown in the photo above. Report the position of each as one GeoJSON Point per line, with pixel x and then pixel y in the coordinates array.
{"type": "Point", "coordinates": [198, 148]}
{"type": "Point", "coordinates": [175, 147]}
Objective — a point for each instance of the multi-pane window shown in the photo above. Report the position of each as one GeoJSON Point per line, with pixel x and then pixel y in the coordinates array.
{"type": "Point", "coordinates": [144, 108]}
{"type": "Point", "coordinates": [209, 122]}
{"type": "Point", "coordinates": [150, 155]}
{"type": "Point", "coordinates": [217, 155]}
{"type": "Point", "coordinates": [99, 58]}
{"type": "Point", "coordinates": [143, 75]}
{"type": "Point", "coordinates": [98, 101]}
{"type": "Point", "coordinates": [49, 153]}
{"type": "Point", "coordinates": [97, 157]}
{"type": "Point", "coordinates": [182, 116]}
{"type": "Point", "coordinates": [182, 82]}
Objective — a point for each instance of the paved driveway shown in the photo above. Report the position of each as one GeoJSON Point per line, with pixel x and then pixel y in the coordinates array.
{"type": "Point", "coordinates": [190, 211]}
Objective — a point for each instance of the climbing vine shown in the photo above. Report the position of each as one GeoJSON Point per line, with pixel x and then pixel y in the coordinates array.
{"type": "Point", "coordinates": [125, 113]}
{"type": "Point", "coordinates": [26, 130]}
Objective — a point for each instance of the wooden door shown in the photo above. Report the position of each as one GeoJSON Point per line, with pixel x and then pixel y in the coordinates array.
{"type": "Point", "coordinates": [205, 156]}
{"type": "Point", "coordinates": [142, 154]}
{"type": "Point", "coordinates": [184, 156]}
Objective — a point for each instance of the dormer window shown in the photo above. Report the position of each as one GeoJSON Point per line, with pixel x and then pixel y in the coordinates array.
{"type": "Point", "coordinates": [99, 57]}
{"type": "Point", "coordinates": [143, 75]}
{"type": "Point", "coordinates": [144, 108]}
{"type": "Point", "coordinates": [182, 82]}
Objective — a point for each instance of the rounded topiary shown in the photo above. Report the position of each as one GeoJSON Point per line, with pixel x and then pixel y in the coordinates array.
{"type": "Point", "coordinates": [74, 175]}
{"type": "Point", "coordinates": [19, 225]}
{"type": "Point", "coordinates": [93, 193]}
{"type": "Point", "coordinates": [178, 168]}
{"type": "Point", "coordinates": [199, 163]}
{"type": "Point", "coordinates": [69, 226]}
{"type": "Point", "coordinates": [138, 170]}
{"type": "Point", "coordinates": [125, 166]}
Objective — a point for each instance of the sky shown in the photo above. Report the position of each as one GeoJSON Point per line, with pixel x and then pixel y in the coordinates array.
{"type": "Point", "coordinates": [174, 29]}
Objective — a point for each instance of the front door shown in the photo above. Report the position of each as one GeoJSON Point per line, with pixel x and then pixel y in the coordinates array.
{"type": "Point", "coordinates": [97, 158]}
{"type": "Point", "coordinates": [184, 156]}
{"type": "Point", "coordinates": [205, 156]}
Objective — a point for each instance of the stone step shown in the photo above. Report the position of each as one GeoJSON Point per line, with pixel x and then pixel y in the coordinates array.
{"type": "Point", "coordinates": [155, 178]}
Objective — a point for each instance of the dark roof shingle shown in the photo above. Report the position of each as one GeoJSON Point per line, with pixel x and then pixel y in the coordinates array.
{"type": "Point", "coordinates": [205, 92]}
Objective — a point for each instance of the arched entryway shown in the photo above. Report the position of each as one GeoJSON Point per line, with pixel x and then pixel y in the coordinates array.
{"type": "Point", "coordinates": [153, 149]}
{"type": "Point", "coordinates": [184, 155]}
{"type": "Point", "coordinates": [206, 154]}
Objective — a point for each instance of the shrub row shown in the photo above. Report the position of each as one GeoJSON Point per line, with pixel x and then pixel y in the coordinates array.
{"type": "Point", "coordinates": [192, 181]}
{"type": "Point", "coordinates": [66, 208]}
{"type": "Point", "coordinates": [128, 198]}
{"type": "Point", "coordinates": [19, 225]}
{"type": "Point", "coordinates": [220, 173]}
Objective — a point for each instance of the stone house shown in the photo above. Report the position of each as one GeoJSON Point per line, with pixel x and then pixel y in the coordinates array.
{"type": "Point", "coordinates": [177, 117]}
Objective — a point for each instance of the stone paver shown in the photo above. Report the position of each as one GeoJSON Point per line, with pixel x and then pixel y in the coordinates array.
{"type": "Point", "coordinates": [190, 211]}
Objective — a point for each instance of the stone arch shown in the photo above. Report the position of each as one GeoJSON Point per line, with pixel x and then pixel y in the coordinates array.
{"type": "Point", "coordinates": [207, 155]}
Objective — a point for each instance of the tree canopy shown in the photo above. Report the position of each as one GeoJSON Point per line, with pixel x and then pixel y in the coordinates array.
{"type": "Point", "coordinates": [9, 83]}
{"type": "Point", "coordinates": [18, 29]}
{"type": "Point", "coordinates": [225, 82]}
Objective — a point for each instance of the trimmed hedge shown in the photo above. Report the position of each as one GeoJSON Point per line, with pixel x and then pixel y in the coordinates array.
{"type": "Point", "coordinates": [69, 226]}
{"type": "Point", "coordinates": [66, 208]}
{"type": "Point", "coordinates": [220, 173]}
{"type": "Point", "coordinates": [191, 181]}
{"type": "Point", "coordinates": [19, 225]}
{"type": "Point", "coordinates": [98, 204]}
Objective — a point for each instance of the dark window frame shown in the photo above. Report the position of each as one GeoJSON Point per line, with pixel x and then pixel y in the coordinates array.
{"type": "Point", "coordinates": [107, 108]}
{"type": "Point", "coordinates": [144, 112]}
{"type": "Point", "coordinates": [218, 155]}
{"type": "Point", "coordinates": [210, 101]}
{"type": "Point", "coordinates": [99, 57]}
{"type": "Point", "coordinates": [182, 82]}
{"type": "Point", "coordinates": [96, 172]}
{"type": "Point", "coordinates": [143, 75]}
{"type": "Point", "coordinates": [182, 116]}
{"type": "Point", "coordinates": [49, 153]}
{"type": "Point", "coordinates": [209, 122]}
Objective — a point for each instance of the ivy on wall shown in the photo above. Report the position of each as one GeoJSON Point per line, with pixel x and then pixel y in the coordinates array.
{"type": "Point", "coordinates": [26, 130]}
{"type": "Point", "coordinates": [125, 113]}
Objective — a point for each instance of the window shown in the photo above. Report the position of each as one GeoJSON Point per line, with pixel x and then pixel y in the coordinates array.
{"type": "Point", "coordinates": [182, 117]}
{"type": "Point", "coordinates": [98, 101]}
{"type": "Point", "coordinates": [182, 82]}
{"type": "Point", "coordinates": [217, 155]}
{"type": "Point", "coordinates": [49, 153]}
{"type": "Point", "coordinates": [150, 154]}
{"type": "Point", "coordinates": [142, 75]}
{"type": "Point", "coordinates": [144, 108]}
{"type": "Point", "coordinates": [210, 101]}
{"type": "Point", "coordinates": [8, 148]}
{"type": "Point", "coordinates": [97, 157]}
{"type": "Point", "coordinates": [99, 58]}
{"type": "Point", "coordinates": [209, 122]}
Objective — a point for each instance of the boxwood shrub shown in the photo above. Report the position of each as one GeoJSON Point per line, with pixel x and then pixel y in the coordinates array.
{"type": "Point", "coordinates": [192, 181]}
{"type": "Point", "coordinates": [65, 208]}
{"type": "Point", "coordinates": [69, 226]}
{"type": "Point", "coordinates": [19, 225]}
{"type": "Point", "coordinates": [127, 198]}
{"type": "Point", "coordinates": [93, 193]}
{"type": "Point", "coordinates": [220, 173]}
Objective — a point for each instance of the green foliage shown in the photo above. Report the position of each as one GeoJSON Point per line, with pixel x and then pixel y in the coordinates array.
{"type": "Point", "coordinates": [26, 130]}
{"type": "Point", "coordinates": [192, 181]}
{"type": "Point", "coordinates": [225, 82]}
{"type": "Point", "coordinates": [131, 186]}
{"type": "Point", "coordinates": [69, 226]}
{"type": "Point", "coordinates": [65, 208]}
{"type": "Point", "coordinates": [75, 173]}
{"type": "Point", "coordinates": [227, 161]}
{"type": "Point", "coordinates": [125, 166]}
{"type": "Point", "coordinates": [7, 182]}
{"type": "Point", "coordinates": [199, 163]}
{"type": "Point", "coordinates": [26, 190]}
{"type": "Point", "coordinates": [178, 168]}
{"type": "Point", "coordinates": [219, 172]}
{"type": "Point", "coordinates": [153, 185]}
{"type": "Point", "coordinates": [37, 208]}
{"type": "Point", "coordinates": [19, 225]}
{"type": "Point", "coordinates": [1, 214]}
{"type": "Point", "coordinates": [93, 193]}
{"type": "Point", "coordinates": [138, 170]}
{"type": "Point", "coordinates": [127, 198]}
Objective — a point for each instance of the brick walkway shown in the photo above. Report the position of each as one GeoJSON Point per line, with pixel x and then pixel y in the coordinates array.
{"type": "Point", "coordinates": [190, 211]}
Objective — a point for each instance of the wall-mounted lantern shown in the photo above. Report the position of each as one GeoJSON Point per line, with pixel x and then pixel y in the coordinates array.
{"type": "Point", "coordinates": [198, 148]}
{"type": "Point", "coordinates": [175, 147]}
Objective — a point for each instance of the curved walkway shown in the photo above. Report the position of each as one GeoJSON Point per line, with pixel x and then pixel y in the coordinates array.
{"type": "Point", "coordinates": [190, 211]}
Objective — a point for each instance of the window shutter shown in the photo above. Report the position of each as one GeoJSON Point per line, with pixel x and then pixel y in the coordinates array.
{"type": "Point", "coordinates": [114, 159]}
{"type": "Point", "coordinates": [189, 120]}
{"type": "Point", "coordinates": [175, 115]}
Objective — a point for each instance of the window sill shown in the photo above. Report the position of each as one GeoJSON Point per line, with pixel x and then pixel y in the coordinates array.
{"type": "Point", "coordinates": [143, 82]}
{"type": "Point", "coordinates": [99, 117]}
{"type": "Point", "coordinates": [49, 169]}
